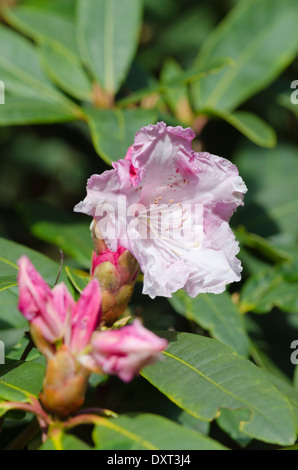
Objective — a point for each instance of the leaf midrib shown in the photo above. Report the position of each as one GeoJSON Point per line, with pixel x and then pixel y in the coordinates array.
{"type": "Point", "coordinates": [20, 74]}
{"type": "Point", "coordinates": [242, 59]}
{"type": "Point", "coordinates": [250, 406]}
{"type": "Point", "coordinates": [126, 433]}
{"type": "Point", "coordinates": [109, 46]}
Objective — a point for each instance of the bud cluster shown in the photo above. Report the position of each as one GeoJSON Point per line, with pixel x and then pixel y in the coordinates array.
{"type": "Point", "coordinates": [76, 337]}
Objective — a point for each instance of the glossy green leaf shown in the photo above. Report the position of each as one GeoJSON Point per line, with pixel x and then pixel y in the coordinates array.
{"type": "Point", "coordinates": [149, 432]}
{"type": "Point", "coordinates": [55, 32]}
{"type": "Point", "coordinates": [107, 47]}
{"type": "Point", "coordinates": [78, 278]}
{"type": "Point", "coordinates": [287, 390]}
{"type": "Point", "coordinates": [66, 71]}
{"type": "Point", "coordinates": [295, 378]}
{"type": "Point", "coordinates": [265, 248]}
{"type": "Point", "coordinates": [230, 421]}
{"type": "Point", "coordinates": [113, 131]}
{"type": "Point", "coordinates": [20, 111]}
{"type": "Point", "coordinates": [10, 252]}
{"type": "Point", "coordinates": [271, 203]}
{"type": "Point", "coordinates": [261, 36]}
{"type": "Point", "coordinates": [20, 380]}
{"type": "Point", "coordinates": [12, 323]}
{"type": "Point", "coordinates": [217, 314]}
{"type": "Point", "coordinates": [171, 82]}
{"type": "Point", "coordinates": [64, 442]}
{"type": "Point", "coordinates": [177, 97]}
{"type": "Point", "coordinates": [73, 239]}
{"type": "Point", "coordinates": [285, 100]}
{"type": "Point", "coordinates": [45, 24]}
{"type": "Point", "coordinates": [7, 281]}
{"type": "Point", "coordinates": [21, 71]}
{"type": "Point", "coordinates": [203, 376]}
{"type": "Point", "coordinates": [269, 289]}
{"type": "Point", "coordinates": [250, 125]}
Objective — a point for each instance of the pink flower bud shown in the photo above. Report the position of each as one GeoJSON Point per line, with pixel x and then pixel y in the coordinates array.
{"type": "Point", "coordinates": [53, 314]}
{"type": "Point", "coordinates": [40, 305]}
{"type": "Point", "coordinates": [85, 316]}
{"type": "Point", "coordinates": [116, 273]}
{"type": "Point", "coordinates": [126, 351]}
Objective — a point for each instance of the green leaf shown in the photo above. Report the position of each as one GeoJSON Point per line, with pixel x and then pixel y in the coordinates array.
{"type": "Point", "coordinates": [20, 111]}
{"type": "Point", "coordinates": [55, 32]}
{"type": "Point", "coordinates": [11, 252]}
{"type": "Point", "coordinates": [250, 125]}
{"type": "Point", "coordinates": [197, 72]}
{"type": "Point", "coordinates": [78, 278]}
{"type": "Point", "coordinates": [12, 323]}
{"type": "Point", "coordinates": [7, 281]}
{"type": "Point", "coordinates": [230, 421]}
{"type": "Point", "coordinates": [66, 230]}
{"type": "Point", "coordinates": [21, 71]}
{"type": "Point", "coordinates": [295, 378]}
{"type": "Point", "coordinates": [203, 376]}
{"type": "Point", "coordinates": [72, 238]}
{"type": "Point", "coordinates": [113, 131]}
{"type": "Point", "coordinates": [217, 314]}
{"type": "Point", "coordinates": [261, 36]}
{"type": "Point", "coordinates": [66, 71]}
{"type": "Point", "coordinates": [64, 442]}
{"type": "Point", "coordinates": [20, 380]}
{"type": "Point", "coordinates": [264, 247]}
{"type": "Point", "coordinates": [285, 101]}
{"type": "Point", "coordinates": [44, 24]}
{"type": "Point", "coordinates": [288, 391]}
{"type": "Point", "coordinates": [266, 290]}
{"type": "Point", "coordinates": [262, 359]}
{"type": "Point", "coordinates": [271, 204]}
{"type": "Point", "coordinates": [170, 82]}
{"type": "Point", "coordinates": [108, 33]}
{"type": "Point", "coordinates": [176, 97]}
{"type": "Point", "coordinates": [148, 432]}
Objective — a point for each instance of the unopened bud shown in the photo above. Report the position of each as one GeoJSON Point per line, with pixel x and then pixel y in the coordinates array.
{"type": "Point", "coordinates": [108, 276]}
{"type": "Point", "coordinates": [65, 384]}
{"type": "Point", "coordinates": [116, 273]}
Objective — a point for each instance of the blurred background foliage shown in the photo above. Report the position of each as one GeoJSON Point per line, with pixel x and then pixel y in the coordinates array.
{"type": "Point", "coordinates": [74, 100]}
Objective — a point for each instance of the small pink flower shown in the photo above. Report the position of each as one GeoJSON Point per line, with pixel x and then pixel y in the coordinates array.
{"type": "Point", "coordinates": [159, 175]}
{"type": "Point", "coordinates": [126, 351]}
{"type": "Point", "coordinates": [53, 312]}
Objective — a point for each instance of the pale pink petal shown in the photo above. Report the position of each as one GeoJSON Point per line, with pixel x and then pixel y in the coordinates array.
{"type": "Point", "coordinates": [162, 174]}
{"type": "Point", "coordinates": [86, 316]}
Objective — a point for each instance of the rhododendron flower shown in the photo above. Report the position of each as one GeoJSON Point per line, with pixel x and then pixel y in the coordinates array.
{"type": "Point", "coordinates": [149, 203]}
{"type": "Point", "coordinates": [53, 314]}
{"type": "Point", "coordinates": [126, 351]}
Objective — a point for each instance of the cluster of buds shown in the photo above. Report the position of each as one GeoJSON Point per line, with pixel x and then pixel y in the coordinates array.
{"type": "Point", "coordinates": [69, 335]}
{"type": "Point", "coordinates": [116, 272]}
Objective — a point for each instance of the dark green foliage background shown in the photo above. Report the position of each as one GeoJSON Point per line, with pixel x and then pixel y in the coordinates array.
{"type": "Point", "coordinates": [231, 82]}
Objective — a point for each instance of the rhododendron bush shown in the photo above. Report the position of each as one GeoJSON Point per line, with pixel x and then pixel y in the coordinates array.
{"type": "Point", "coordinates": [148, 250]}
